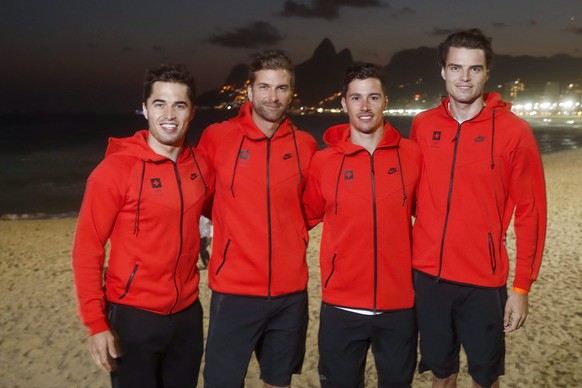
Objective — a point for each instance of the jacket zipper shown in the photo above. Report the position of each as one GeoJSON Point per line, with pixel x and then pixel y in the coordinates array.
{"type": "Point", "coordinates": [128, 284]}
{"type": "Point", "coordinates": [223, 258]}
{"type": "Point", "coordinates": [179, 182]}
{"type": "Point", "coordinates": [332, 270]}
{"type": "Point", "coordinates": [449, 198]}
{"type": "Point", "coordinates": [492, 252]}
{"type": "Point", "coordinates": [269, 231]}
{"type": "Point", "coordinates": [374, 216]}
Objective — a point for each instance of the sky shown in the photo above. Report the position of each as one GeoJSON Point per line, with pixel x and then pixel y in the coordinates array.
{"type": "Point", "coordinates": [81, 56]}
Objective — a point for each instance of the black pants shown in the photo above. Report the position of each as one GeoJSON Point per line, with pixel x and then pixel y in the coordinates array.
{"type": "Point", "coordinates": [157, 350]}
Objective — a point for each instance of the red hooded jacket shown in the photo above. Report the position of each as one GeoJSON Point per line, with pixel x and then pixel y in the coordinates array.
{"type": "Point", "coordinates": [365, 201]}
{"type": "Point", "coordinates": [148, 207]}
{"type": "Point", "coordinates": [475, 175]}
{"type": "Point", "coordinates": [260, 235]}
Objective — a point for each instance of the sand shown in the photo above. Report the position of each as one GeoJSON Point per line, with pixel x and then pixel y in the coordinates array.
{"type": "Point", "coordinates": [42, 343]}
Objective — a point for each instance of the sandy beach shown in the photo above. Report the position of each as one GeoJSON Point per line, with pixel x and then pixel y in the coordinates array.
{"type": "Point", "coordinates": [42, 343]}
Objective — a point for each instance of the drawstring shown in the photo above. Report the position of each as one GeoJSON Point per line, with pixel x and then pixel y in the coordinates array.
{"type": "Point", "coordinates": [136, 221]}
{"type": "Point", "coordinates": [199, 170]}
{"type": "Point", "coordinates": [297, 153]}
{"type": "Point", "coordinates": [402, 183]}
{"type": "Point", "coordinates": [143, 164]}
{"type": "Point", "coordinates": [242, 140]}
{"type": "Point", "coordinates": [339, 174]}
{"type": "Point", "coordinates": [492, 138]}
{"type": "Point", "coordinates": [404, 196]}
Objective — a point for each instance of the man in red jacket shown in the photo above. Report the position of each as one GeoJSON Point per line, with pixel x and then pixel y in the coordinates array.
{"type": "Point", "coordinates": [257, 271]}
{"type": "Point", "coordinates": [145, 198]}
{"type": "Point", "coordinates": [481, 167]}
{"type": "Point", "coordinates": [362, 187]}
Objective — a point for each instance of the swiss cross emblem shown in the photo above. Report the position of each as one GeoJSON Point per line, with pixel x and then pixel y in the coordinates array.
{"type": "Point", "coordinates": [156, 183]}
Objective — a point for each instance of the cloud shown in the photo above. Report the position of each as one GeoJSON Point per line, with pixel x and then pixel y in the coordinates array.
{"type": "Point", "coordinates": [254, 35]}
{"type": "Point", "coordinates": [324, 9]}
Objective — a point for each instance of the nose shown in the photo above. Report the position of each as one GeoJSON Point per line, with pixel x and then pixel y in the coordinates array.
{"type": "Point", "coordinates": [169, 112]}
{"type": "Point", "coordinates": [272, 95]}
{"type": "Point", "coordinates": [365, 105]}
{"type": "Point", "coordinates": [466, 75]}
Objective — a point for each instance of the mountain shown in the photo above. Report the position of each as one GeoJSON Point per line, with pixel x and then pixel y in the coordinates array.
{"type": "Point", "coordinates": [413, 76]}
{"type": "Point", "coordinates": [321, 75]}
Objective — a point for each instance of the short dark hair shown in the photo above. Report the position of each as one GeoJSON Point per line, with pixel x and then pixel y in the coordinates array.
{"type": "Point", "coordinates": [271, 60]}
{"type": "Point", "coordinates": [469, 39]}
{"type": "Point", "coordinates": [363, 70]}
{"type": "Point", "coordinates": [169, 73]}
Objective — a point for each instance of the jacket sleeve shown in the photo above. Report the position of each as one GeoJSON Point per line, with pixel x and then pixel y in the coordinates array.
{"type": "Point", "coordinates": [313, 200]}
{"type": "Point", "coordinates": [528, 191]}
{"type": "Point", "coordinates": [101, 204]}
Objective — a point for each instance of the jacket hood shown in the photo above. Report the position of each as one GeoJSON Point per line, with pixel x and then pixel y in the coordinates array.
{"type": "Point", "coordinates": [137, 147]}
{"type": "Point", "coordinates": [251, 131]}
{"type": "Point", "coordinates": [338, 137]}
{"type": "Point", "coordinates": [494, 105]}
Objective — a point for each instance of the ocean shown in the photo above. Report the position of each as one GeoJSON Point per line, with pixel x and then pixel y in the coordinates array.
{"type": "Point", "coordinates": [46, 159]}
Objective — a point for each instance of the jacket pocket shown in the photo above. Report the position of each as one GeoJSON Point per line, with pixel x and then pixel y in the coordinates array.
{"type": "Point", "coordinates": [331, 272]}
{"type": "Point", "coordinates": [223, 258]}
{"type": "Point", "coordinates": [128, 284]}
{"type": "Point", "coordinates": [492, 258]}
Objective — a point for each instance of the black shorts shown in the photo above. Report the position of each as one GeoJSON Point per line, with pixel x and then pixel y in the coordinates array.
{"type": "Point", "coordinates": [450, 315]}
{"type": "Point", "coordinates": [157, 350]}
{"type": "Point", "coordinates": [275, 329]}
{"type": "Point", "coordinates": [344, 340]}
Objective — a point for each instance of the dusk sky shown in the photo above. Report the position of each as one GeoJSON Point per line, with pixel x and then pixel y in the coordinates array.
{"type": "Point", "coordinates": [90, 56]}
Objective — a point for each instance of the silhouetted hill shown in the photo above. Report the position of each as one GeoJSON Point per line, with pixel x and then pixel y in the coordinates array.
{"type": "Point", "coordinates": [321, 75]}
{"type": "Point", "coordinates": [413, 74]}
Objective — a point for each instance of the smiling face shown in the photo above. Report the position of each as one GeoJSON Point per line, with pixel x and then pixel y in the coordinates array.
{"type": "Point", "coordinates": [169, 112]}
{"type": "Point", "coordinates": [270, 95]}
{"type": "Point", "coordinates": [465, 74]}
{"type": "Point", "coordinates": [365, 103]}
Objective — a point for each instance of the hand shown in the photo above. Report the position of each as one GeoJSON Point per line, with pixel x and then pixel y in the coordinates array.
{"type": "Point", "coordinates": [515, 312]}
{"type": "Point", "coordinates": [104, 350]}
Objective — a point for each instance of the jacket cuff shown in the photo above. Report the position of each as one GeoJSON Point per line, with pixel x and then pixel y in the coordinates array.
{"type": "Point", "coordinates": [520, 291]}
{"type": "Point", "coordinates": [522, 284]}
{"type": "Point", "coordinates": [97, 326]}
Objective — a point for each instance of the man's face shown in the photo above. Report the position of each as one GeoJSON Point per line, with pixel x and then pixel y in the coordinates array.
{"type": "Point", "coordinates": [270, 94]}
{"type": "Point", "coordinates": [365, 103]}
{"type": "Point", "coordinates": [168, 111]}
{"type": "Point", "coordinates": [465, 74]}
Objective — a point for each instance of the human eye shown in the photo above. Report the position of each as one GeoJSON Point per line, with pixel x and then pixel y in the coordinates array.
{"type": "Point", "coordinates": [454, 68]}
{"type": "Point", "coordinates": [476, 70]}
{"type": "Point", "coordinates": [180, 106]}
{"type": "Point", "coordinates": [158, 105]}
